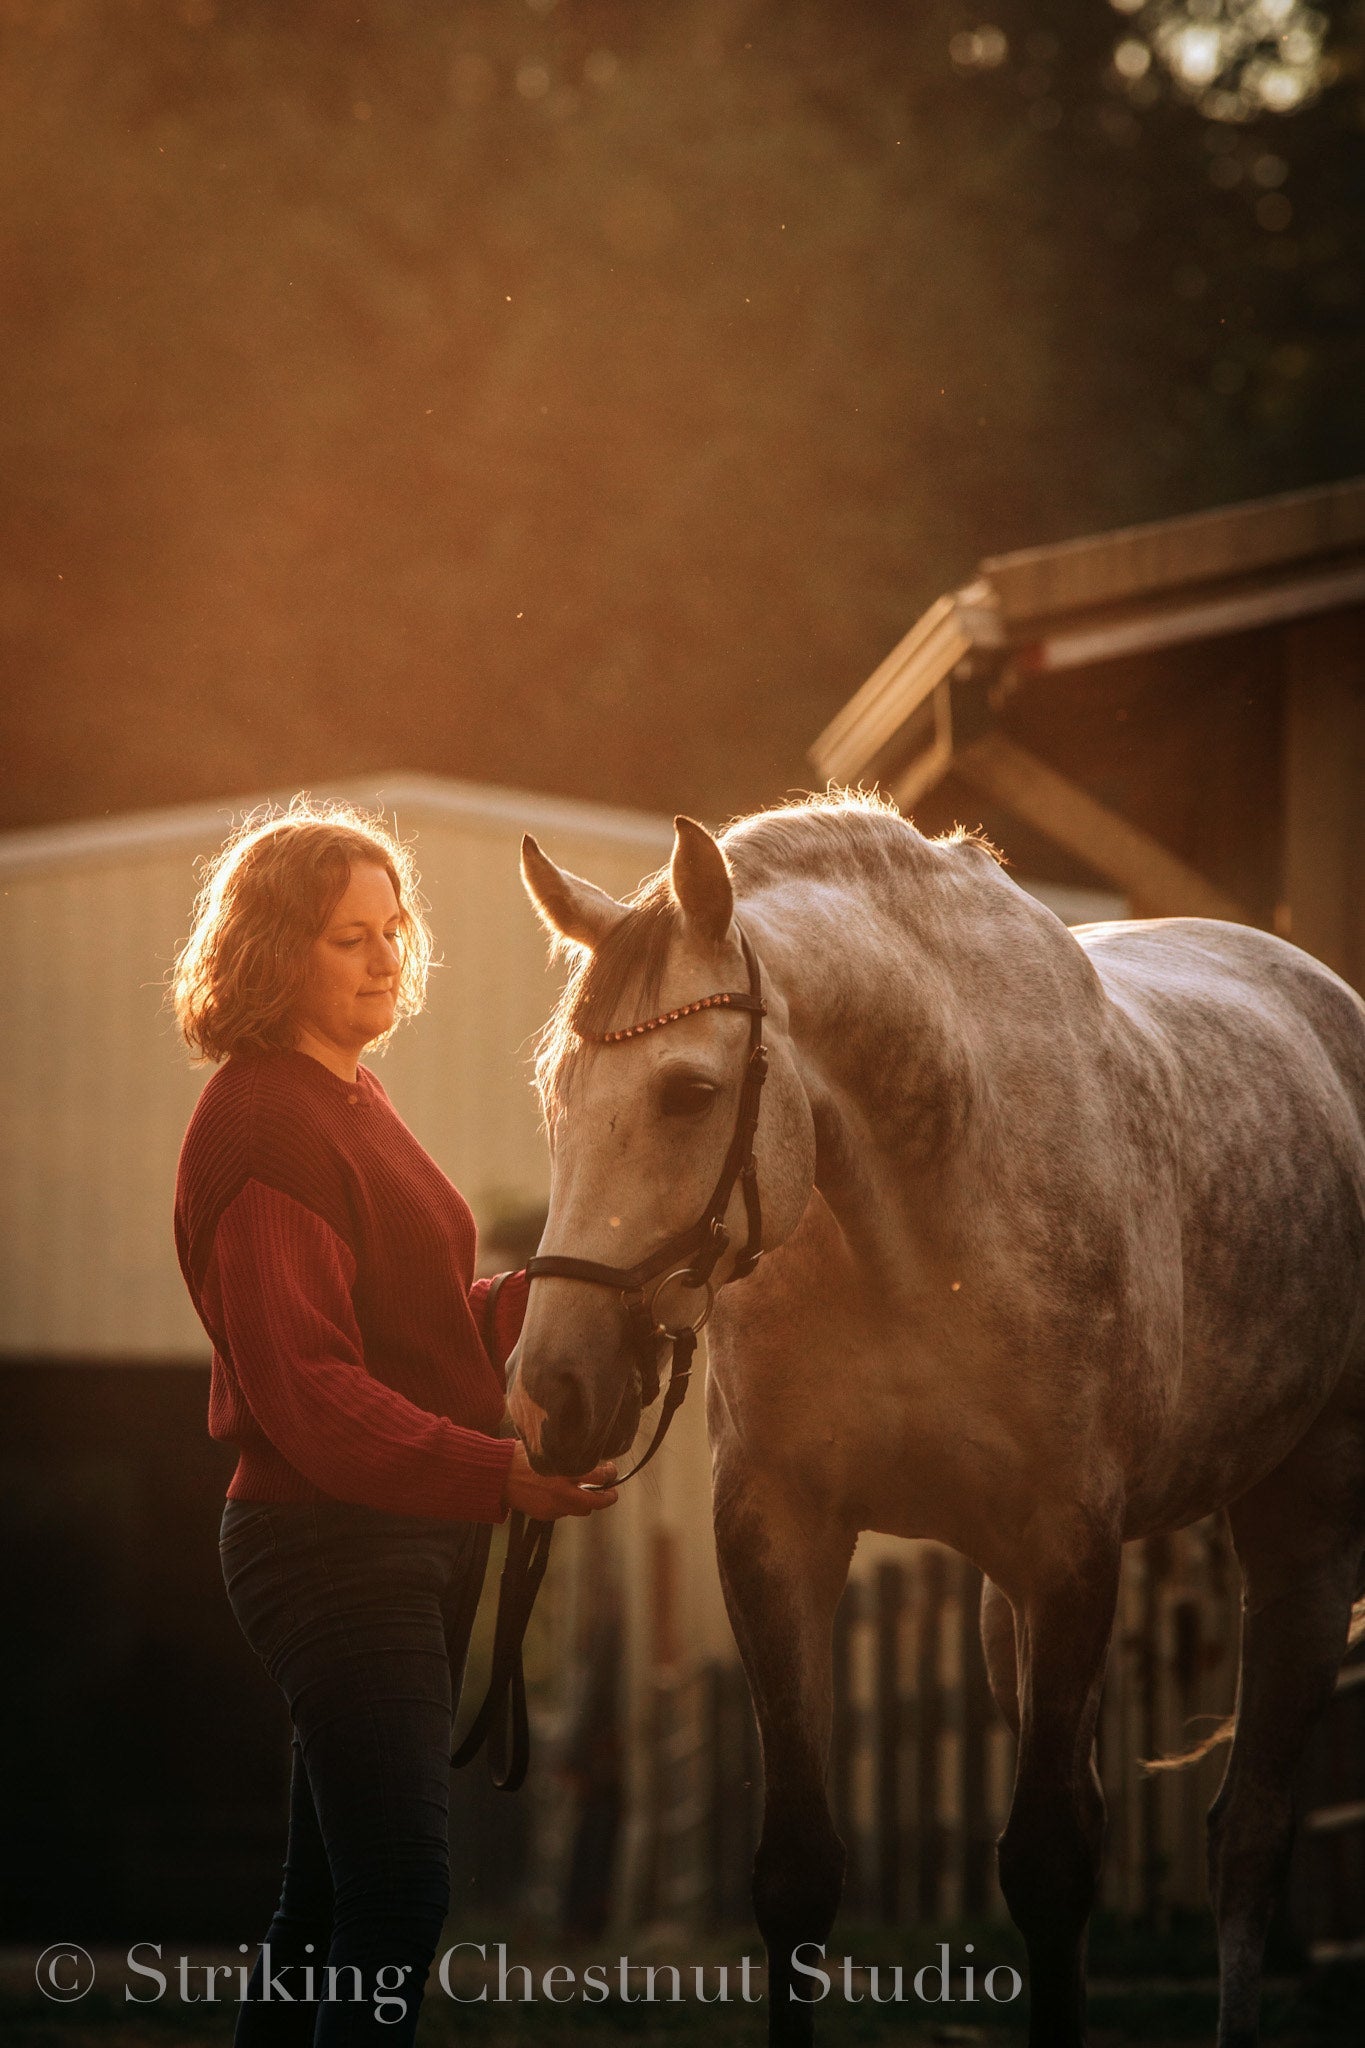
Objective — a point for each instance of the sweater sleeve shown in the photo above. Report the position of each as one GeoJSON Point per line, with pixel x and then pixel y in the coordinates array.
{"type": "Point", "coordinates": [283, 1280]}
{"type": "Point", "coordinates": [509, 1313]}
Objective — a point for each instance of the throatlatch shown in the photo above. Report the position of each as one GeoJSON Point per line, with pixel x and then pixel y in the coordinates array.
{"type": "Point", "coordinates": [691, 1258]}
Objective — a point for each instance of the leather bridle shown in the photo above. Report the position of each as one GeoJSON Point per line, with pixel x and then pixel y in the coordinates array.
{"type": "Point", "coordinates": [690, 1257]}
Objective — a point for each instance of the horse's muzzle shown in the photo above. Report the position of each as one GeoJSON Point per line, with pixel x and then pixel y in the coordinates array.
{"type": "Point", "coordinates": [562, 1418]}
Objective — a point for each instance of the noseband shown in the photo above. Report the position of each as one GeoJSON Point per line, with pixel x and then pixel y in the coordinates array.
{"type": "Point", "coordinates": [691, 1256]}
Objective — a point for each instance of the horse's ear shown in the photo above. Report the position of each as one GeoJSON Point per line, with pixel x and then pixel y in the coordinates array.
{"type": "Point", "coordinates": [701, 880]}
{"type": "Point", "coordinates": [568, 905]}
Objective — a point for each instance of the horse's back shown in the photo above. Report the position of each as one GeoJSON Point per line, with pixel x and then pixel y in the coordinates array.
{"type": "Point", "coordinates": [1266, 1052]}
{"type": "Point", "coordinates": [1263, 1048]}
{"type": "Point", "coordinates": [1199, 984]}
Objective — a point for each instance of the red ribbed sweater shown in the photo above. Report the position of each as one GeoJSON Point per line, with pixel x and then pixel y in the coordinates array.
{"type": "Point", "coordinates": [331, 1263]}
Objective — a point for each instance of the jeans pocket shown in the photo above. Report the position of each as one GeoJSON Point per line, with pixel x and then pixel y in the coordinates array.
{"type": "Point", "coordinates": [245, 1524]}
{"type": "Point", "coordinates": [258, 1571]}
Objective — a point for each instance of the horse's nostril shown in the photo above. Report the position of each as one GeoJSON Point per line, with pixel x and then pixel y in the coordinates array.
{"type": "Point", "coordinates": [566, 1408]}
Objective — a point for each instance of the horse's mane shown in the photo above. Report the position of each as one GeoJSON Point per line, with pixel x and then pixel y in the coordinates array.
{"type": "Point", "coordinates": [814, 836]}
{"type": "Point", "coordinates": [822, 836]}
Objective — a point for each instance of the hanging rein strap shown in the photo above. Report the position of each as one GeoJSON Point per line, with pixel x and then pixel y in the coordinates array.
{"type": "Point", "coordinates": [689, 1258]}
{"type": "Point", "coordinates": [502, 1721]}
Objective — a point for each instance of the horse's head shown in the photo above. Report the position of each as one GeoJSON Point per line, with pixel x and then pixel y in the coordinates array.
{"type": "Point", "coordinates": [640, 1131]}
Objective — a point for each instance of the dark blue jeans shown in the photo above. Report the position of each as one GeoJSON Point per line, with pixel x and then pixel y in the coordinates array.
{"type": "Point", "coordinates": [363, 1621]}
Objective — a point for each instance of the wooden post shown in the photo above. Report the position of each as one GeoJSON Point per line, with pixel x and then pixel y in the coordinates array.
{"type": "Point", "coordinates": [889, 1596]}
{"type": "Point", "coordinates": [719, 1789]}
{"type": "Point", "coordinates": [928, 1729]}
{"type": "Point", "coordinates": [843, 1735]}
{"type": "Point", "coordinates": [1324, 765]}
{"type": "Point", "coordinates": [1187, 1667]}
{"type": "Point", "coordinates": [950, 1775]}
{"type": "Point", "coordinates": [1327, 1893]}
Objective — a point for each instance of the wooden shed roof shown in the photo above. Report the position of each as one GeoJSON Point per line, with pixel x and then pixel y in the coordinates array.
{"type": "Point", "coordinates": [947, 696]}
{"type": "Point", "coordinates": [1087, 601]}
{"type": "Point", "coordinates": [1236, 541]}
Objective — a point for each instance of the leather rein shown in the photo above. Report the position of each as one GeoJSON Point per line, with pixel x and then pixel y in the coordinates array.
{"type": "Point", "coordinates": [689, 1258]}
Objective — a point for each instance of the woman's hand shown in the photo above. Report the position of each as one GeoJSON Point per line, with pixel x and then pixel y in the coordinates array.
{"type": "Point", "coordinates": [546, 1496]}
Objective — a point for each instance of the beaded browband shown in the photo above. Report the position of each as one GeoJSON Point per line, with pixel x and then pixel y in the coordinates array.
{"type": "Point", "coordinates": [730, 999]}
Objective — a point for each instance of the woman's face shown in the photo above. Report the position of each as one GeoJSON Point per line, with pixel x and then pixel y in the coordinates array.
{"type": "Point", "coordinates": [350, 990]}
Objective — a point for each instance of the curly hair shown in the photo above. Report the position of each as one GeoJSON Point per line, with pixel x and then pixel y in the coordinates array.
{"type": "Point", "coordinates": [264, 898]}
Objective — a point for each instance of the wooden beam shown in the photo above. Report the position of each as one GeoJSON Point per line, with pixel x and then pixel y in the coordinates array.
{"type": "Point", "coordinates": [932, 763]}
{"type": "Point", "coordinates": [1324, 789]}
{"type": "Point", "coordinates": [1155, 626]}
{"type": "Point", "coordinates": [892, 694]}
{"type": "Point", "coordinates": [1148, 875]}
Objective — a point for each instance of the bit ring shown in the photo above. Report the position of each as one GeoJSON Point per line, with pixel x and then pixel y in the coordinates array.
{"type": "Point", "coordinates": [684, 1273]}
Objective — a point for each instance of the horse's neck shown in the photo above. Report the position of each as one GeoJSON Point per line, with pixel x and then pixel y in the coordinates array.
{"type": "Point", "coordinates": [884, 1052]}
{"type": "Point", "coordinates": [924, 1011]}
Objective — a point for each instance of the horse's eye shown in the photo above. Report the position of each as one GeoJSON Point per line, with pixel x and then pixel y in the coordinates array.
{"type": "Point", "coordinates": [686, 1095]}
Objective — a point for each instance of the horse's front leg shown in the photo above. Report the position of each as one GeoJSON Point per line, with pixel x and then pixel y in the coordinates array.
{"type": "Point", "coordinates": [1050, 1849]}
{"type": "Point", "coordinates": [782, 1573]}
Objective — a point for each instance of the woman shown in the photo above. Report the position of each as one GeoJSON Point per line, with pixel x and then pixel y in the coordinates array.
{"type": "Point", "coordinates": [331, 1263]}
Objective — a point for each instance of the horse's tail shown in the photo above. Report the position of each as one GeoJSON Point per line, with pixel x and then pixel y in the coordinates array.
{"type": "Point", "coordinates": [1226, 1729]}
{"type": "Point", "coordinates": [1224, 1732]}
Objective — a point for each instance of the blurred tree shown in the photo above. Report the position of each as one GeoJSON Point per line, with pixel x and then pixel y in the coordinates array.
{"type": "Point", "coordinates": [1218, 217]}
{"type": "Point", "coordinates": [584, 396]}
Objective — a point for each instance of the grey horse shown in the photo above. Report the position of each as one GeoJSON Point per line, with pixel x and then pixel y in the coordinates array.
{"type": "Point", "coordinates": [1064, 1245]}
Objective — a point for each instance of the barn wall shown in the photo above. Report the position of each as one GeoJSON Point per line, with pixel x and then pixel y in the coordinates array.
{"type": "Point", "coordinates": [96, 1090]}
{"type": "Point", "coordinates": [1184, 743]}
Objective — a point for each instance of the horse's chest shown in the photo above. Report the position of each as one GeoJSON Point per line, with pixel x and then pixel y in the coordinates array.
{"type": "Point", "coordinates": [871, 1430]}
